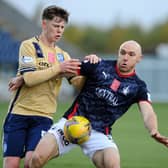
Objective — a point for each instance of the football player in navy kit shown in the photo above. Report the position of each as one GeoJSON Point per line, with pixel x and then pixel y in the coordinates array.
{"type": "Point", "coordinates": [111, 87]}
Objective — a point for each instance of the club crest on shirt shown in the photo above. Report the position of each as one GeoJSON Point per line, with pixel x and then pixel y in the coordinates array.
{"type": "Point", "coordinates": [60, 57]}
{"type": "Point", "coordinates": [125, 90]}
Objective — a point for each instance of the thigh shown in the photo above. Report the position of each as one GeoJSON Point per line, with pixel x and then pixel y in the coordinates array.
{"type": "Point", "coordinates": [98, 141]}
{"type": "Point", "coordinates": [57, 130]}
{"type": "Point", "coordinates": [47, 147]}
{"type": "Point", "coordinates": [14, 136]}
{"type": "Point", "coordinates": [45, 150]}
{"type": "Point", "coordinates": [52, 144]}
{"type": "Point", "coordinates": [108, 157]}
{"type": "Point", "coordinates": [38, 126]}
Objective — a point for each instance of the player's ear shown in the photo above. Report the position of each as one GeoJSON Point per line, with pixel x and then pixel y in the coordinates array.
{"type": "Point", "coordinates": [43, 24]}
{"type": "Point", "coordinates": [139, 58]}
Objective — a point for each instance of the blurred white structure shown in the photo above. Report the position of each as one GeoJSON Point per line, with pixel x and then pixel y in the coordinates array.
{"type": "Point", "coordinates": [162, 50]}
{"type": "Point", "coordinates": [154, 71]}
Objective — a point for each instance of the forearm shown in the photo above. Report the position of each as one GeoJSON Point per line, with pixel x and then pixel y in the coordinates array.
{"type": "Point", "coordinates": [37, 77]}
{"type": "Point", "coordinates": [149, 117]}
{"type": "Point", "coordinates": [151, 123]}
{"type": "Point", "coordinates": [78, 82]}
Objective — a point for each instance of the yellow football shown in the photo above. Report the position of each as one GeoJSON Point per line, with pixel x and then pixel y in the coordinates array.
{"type": "Point", "coordinates": [77, 129]}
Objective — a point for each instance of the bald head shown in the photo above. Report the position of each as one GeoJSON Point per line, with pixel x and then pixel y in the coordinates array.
{"type": "Point", "coordinates": [132, 44]}
{"type": "Point", "coordinates": [130, 53]}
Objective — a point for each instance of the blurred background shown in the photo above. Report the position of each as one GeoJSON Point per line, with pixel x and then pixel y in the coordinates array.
{"type": "Point", "coordinates": [95, 27]}
{"type": "Point", "coordinates": [98, 26]}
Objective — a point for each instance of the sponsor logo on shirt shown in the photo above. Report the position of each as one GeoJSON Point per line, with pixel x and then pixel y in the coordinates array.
{"type": "Point", "coordinates": [107, 95]}
{"type": "Point", "coordinates": [44, 64]}
{"type": "Point", "coordinates": [27, 59]}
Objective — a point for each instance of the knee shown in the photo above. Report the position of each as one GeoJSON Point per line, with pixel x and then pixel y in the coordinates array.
{"type": "Point", "coordinates": [36, 161]}
{"type": "Point", "coordinates": [11, 162]}
{"type": "Point", "coordinates": [114, 164]}
{"type": "Point", "coordinates": [107, 158]}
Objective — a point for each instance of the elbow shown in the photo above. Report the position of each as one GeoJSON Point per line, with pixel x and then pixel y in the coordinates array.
{"type": "Point", "coordinates": [78, 82]}
{"type": "Point", "coordinates": [28, 80]}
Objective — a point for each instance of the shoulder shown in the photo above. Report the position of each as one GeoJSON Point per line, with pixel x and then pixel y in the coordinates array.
{"type": "Point", "coordinates": [102, 63]}
{"type": "Point", "coordinates": [143, 92]}
{"type": "Point", "coordinates": [28, 42]}
{"type": "Point", "coordinates": [139, 81]}
{"type": "Point", "coordinates": [109, 62]}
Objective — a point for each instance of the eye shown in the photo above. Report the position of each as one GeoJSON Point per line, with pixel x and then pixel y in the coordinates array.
{"type": "Point", "coordinates": [55, 25]}
{"type": "Point", "coordinates": [132, 54]}
{"type": "Point", "coordinates": [122, 52]}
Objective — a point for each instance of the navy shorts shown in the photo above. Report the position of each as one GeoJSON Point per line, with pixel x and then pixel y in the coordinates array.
{"type": "Point", "coordinates": [22, 133]}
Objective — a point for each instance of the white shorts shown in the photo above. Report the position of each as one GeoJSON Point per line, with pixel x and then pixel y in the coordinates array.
{"type": "Point", "coordinates": [97, 140]}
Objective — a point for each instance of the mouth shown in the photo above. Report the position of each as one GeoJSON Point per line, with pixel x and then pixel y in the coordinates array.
{"type": "Point", "coordinates": [123, 65]}
{"type": "Point", "coordinates": [58, 37]}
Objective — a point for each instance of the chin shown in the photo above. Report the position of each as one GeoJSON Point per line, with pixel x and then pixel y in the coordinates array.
{"type": "Point", "coordinates": [124, 70]}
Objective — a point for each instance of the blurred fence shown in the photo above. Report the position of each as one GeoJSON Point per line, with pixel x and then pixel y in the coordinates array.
{"type": "Point", "coordinates": [155, 73]}
{"type": "Point", "coordinates": [153, 70]}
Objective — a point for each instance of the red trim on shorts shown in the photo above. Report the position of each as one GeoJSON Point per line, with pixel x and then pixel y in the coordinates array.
{"type": "Point", "coordinates": [74, 110]}
{"type": "Point", "coordinates": [78, 72]}
{"type": "Point", "coordinates": [107, 130]}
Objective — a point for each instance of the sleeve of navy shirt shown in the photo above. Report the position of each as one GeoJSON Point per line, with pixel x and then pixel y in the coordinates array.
{"type": "Point", "coordinates": [143, 94]}
{"type": "Point", "coordinates": [88, 69]}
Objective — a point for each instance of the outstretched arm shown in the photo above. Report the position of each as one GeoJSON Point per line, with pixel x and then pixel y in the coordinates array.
{"type": "Point", "coordinates": [150, 121]}
{"type": "Point", "coordinates": [67, 67]}
{"type": "Point", "coordinates": [36, 77]}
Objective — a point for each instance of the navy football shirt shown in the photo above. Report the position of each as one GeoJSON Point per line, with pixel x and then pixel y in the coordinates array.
{"type": "Point", "coordinates": [107, 94]}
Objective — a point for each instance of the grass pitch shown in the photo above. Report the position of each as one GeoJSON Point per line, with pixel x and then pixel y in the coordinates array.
{"type": "Point", "coordinates": [137, 149]}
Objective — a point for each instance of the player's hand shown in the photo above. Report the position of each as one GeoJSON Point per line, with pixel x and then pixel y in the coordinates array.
{"type": "Point", "coordinates": [161, 139]}
{"type": "Point", "coordinates": [92, 58]}
{"type": "Point", "coordinates": [15, 83]}
{"type": "Point", "coordinates": [70, 66]}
